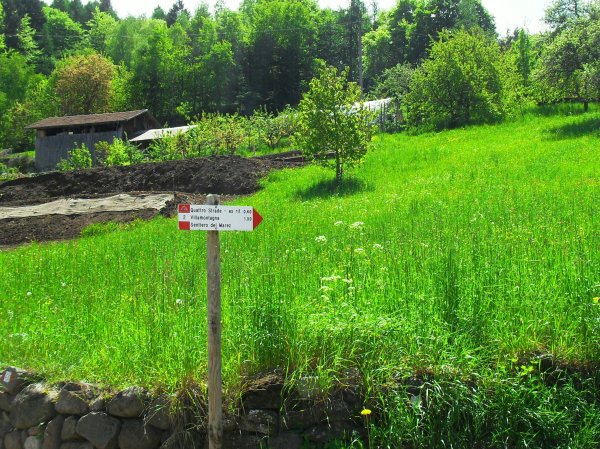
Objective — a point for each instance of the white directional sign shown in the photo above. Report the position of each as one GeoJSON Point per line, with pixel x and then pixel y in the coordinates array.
{"type": "Point", "coordinates": [217, 218]}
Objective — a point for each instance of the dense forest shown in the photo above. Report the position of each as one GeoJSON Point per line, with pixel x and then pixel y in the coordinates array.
{"type": "Point", "coordinates": [443, 60]}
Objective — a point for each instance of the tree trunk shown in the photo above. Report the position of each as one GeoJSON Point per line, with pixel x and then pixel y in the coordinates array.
{"type": "Point", "coordinates": [586, 106]}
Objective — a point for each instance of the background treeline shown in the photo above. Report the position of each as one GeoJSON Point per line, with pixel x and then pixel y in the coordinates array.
{"type": "Point", "coordinates": [441, 59]}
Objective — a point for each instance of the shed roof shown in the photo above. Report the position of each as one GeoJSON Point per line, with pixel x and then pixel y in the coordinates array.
{"type": "Point", "coordinates": [89, 119]}
{"type": "Point", "coordinates": [153, 134]}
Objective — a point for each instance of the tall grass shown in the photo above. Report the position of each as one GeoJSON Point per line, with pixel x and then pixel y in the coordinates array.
{"type": "Point", "coordinates": [450, 252]}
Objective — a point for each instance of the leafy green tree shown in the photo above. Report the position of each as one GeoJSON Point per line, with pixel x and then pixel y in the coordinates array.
{"type": "Point", "coordinates": [99, 30]}
{"type": "Point", "coordinates": [562, 13]}
{"type": "Point", "coordinates": [569, 64]}
{"type": "Point", "coordinates": [281, 45]}
{"type": "Point", "coordinates": [329, 123]}
{"type": "Point", "coordinates": [159, 13]}
{"type": "Point", "coordinates": [176, 10]}
{"type": "Point", "coordinates": [60, 33]}
{"type": "Point", "coordinates": [27, 44]}
{"type": "Point", "coordinates": [460, 83]}
{"type": "Point", "coordinates": [2, 41]}
{"type": "Point", "coordinates": [84, 84]}
{"type": "Point", "coordinates": [14, 11]}
{"type": "Point", "coordinates": [394, 83]}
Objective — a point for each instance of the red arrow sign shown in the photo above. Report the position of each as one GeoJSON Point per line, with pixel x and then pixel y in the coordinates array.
{"type": "Point", "coordinates": [256, 218]}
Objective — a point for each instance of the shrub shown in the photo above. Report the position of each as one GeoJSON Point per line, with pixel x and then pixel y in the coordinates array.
{"type": "Point", "coordinates": [462, 82]}
{"type": "Point", "coordinates": [79, 158]}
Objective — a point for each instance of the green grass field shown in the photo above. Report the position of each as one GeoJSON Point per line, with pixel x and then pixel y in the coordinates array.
{"type": "Point", "coordinates": [463, 255]}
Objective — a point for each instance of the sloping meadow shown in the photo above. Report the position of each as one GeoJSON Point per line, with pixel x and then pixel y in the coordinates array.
{"type": "Point", "coordinates": [469, 256]}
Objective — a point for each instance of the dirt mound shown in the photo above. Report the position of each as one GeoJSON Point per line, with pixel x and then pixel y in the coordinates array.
{"type": "Point", "coordinates": [189, 180]}
{"type": "Point", "coordinates": [230, 175]}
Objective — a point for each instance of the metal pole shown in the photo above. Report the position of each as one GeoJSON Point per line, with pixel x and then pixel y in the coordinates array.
{"type": "Point", "coordinates": [213, 263]}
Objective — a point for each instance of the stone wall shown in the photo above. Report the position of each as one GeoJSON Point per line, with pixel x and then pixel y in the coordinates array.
{"type": "Point", "coordinates": [70, 415]}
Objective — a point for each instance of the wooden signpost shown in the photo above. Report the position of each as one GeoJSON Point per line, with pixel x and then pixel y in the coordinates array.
{"type": "Point", "coordinates": [214, 218]}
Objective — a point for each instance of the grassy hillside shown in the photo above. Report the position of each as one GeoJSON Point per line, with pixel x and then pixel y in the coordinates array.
{"type": "Point", "coordinates": [461, 255]}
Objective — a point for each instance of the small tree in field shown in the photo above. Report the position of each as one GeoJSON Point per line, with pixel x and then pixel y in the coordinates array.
{"type": "Point", "coordinates": [328, 124]}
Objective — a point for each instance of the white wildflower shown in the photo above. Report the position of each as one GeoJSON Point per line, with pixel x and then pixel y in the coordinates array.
{"type": "Point", "coordinates": [359, 250]}
{"type": "Point", "coordinates": [321, 239]}
{"type": "Point", "coordinates": [357, 225]}
{"type": "Point", "coordinates": [29, 293]}
{"type": "Point", "coordinates": [377, 246]}
{"type": "Point", "coordinates": [179, 302]}
{"type": "Point", "coordinates": [338, 223]}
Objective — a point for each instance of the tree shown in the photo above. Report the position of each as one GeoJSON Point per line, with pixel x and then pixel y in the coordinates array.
{"type": "Point", "coordinates": [328, 123]}
{"type": "Point", "coordinates": [394, 83]}
{"type": "Point", "coordinates": [60, 33]}
{"type": "Point", "coordinates": [176, 10]}
{"type": "Point", "coordinates": [27, 44]}
{"type": "Point", "coordinates": [2, 42]}
{"type": "Point", "coordinates": [461, 83]}
{"type": "Point", "coordinates": [562, 13]}
{"type": "Point", "coordinates": [569, 64]}
{"type": "Point", "coordinates": [100, 28]}
{"type": "Point", "coordinates": [84, 84]}
{"type": "Point", "coordinates": [159, 13]}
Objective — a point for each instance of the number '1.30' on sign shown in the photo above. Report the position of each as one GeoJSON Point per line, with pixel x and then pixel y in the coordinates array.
{"type": "Point", "coordinates": [218, 218]}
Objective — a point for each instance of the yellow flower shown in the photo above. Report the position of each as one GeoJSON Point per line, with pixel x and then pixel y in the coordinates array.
{"type": "Point", "coordinates": [596, 300]}
{"type": "Point", "coordinates": [365, 412]}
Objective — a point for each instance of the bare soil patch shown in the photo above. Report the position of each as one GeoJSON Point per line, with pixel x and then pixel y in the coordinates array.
{"type": "Point", "coordinates": [189, 180]}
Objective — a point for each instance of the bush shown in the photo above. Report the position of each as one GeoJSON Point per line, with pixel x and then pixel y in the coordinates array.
{"type": "Point", "coordinates": [79, 158]}
{"type": "Point", "coordinates": [118, 152]}
{"type": "Point", "coordinates": [462, 82]}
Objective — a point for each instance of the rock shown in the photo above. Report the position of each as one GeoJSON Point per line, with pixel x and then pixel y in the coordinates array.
{"type": "Point", "coordinates": [33, 442]}
{"type": "Point", "coordinates": [98, 405]}
{"type": "Point", "coordinates": [260, 421]}
{"type": "Point", "coordinates": [158, 413]}
{"type": "Point", "coordinates": [265, 395]}
{"type": "Point", "coordinates": [237, 441]}
{"type": "Point", "coordinates": [286, 440]}
{"type": "Point", "coordinates": [135, 435]}
{"type": "Point", "coordinates": [5, 427]}
{"type": "Point", "coordinates": [323, 433]}
{"type": "Point", "coordinates": [129, 403]}
{"type": "Point", "coordinates": [69, 432]}
{"type": "Point", "coordinates": [12, 440]}
{"type": "Point", "coordinates": [15, 379]}
{"type": "Point", "coordinates": [72, 401]}
{"type": "Point", "coordinates": [5, 400]}
{"type": "Point", "coordinates": [77, 445]}
{"type": "Point", "coordinates": [36, 431]}
{"type": "Point", "coordinates": [33, 405]}
{"type": "Point", "coordinates": [52, 438]}
{"type": "Point", "coordinates": [302, 419]}
{"type": "Point", "coordinates": [99, 429]}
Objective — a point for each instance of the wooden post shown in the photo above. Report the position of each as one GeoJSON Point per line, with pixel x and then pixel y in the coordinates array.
{"type": "Point", "coordinates": [213, 263]}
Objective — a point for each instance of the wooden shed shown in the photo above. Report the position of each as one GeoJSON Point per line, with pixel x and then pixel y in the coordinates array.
{"type": "Point", "coordinates": [56, 136]}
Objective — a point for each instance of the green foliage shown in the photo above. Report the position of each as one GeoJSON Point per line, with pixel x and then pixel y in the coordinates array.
{"type": "Point", "coordinates": [272, 128]}
{"type": "Point", "coordinates": [8, 173]}
{"type": "Point", "coordinates": [394, 83]}
{"type": "Point", "coordinates": [568, 67]}
{"type": "Point", "coordinates": [462, 82]}
{"type": "Point", "coordinates": [331, 131]}
{"type": "Point", "coordinates": [27, 44]}
{"type": "Point", "coordinates": [60, 33]}
{"type": "Point", "coordinates": [79, 158]}
{"type": "Point", "coordinates": [84, 84]}
{"type": "Point", "coordinates": [118, 152]}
